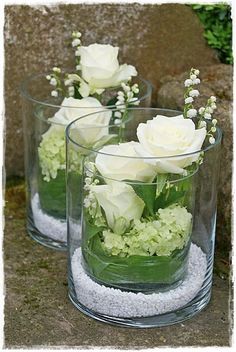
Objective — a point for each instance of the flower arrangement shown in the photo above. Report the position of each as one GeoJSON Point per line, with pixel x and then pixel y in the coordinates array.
{"type": "Point", "coordinates": [139, 198]}
{"type": "Point", "coordinates": [97, 83]}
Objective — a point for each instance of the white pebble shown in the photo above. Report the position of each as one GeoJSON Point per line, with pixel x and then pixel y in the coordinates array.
{"type": "Point", "coordinates": [117, 303]}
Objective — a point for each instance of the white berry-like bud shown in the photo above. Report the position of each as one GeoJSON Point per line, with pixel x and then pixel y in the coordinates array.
{"type": "Point", "coordinates": [191, 113]}
{"type": "Point", "coordinates": [209, 109]}
{"type": "Point", "coordinates": [188, 100]}
{"type": "Point", "coordinates": [192, 77]}
{"type": "Point", "coordinates": [196, 72]}
{"type": "Point", "coordinates": [213, 106]}
{"type": "Point", "coordinates": [76, 42]}
{"type": "Point", "coordinates": [214, 122]}
{"type": "Point", "coordinates": [53, 81]}
{"type": "Point", "coordinates": [56, 69]}
{"type": "Point", "coordinates": [78, 67]}
{"type": "Point", "coordinates": [201, 110]}
{"type": "Point", "coordinates": [207, 116]}
{"type": "Point", "coordinates": [196, 81]}
{"type": "Point", "coordinates": [212, 140]}
{"type": "Point", "coordinates": [202, 124]}
{"type": "Point", "coordinates": [194, 93]}
{"type": "Point", "coordinates": [68, 82]}
{"type": "Point", "coordinates": [213, 129]}
{"type": "Point", "coordinates": [54, 93]}
{"type": "Point", "coordinates": [48, 77]}
{"type": "Point", "coordinates": [77, 53]}
{"type": "Point", "coordinates": [188, 82]}
{"type": "Point", "coordinates": [213, 98]}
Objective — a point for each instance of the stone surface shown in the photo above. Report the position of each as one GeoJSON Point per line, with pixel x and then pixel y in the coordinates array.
{"type": "Point", "coordinates": [157, 39]}
{"type": "Point", "coordinates": [216, 80]}
{"type": "Point", "coordinates": [39, 314]}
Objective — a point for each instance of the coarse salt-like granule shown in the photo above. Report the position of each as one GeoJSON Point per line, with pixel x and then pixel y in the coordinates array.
{"type": "Point", "coordinates": [117, 303]}
{"type": "Point", "coordinates": [46, 224]}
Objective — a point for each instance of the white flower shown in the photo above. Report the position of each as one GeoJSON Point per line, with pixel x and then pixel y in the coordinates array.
{"type": "Point", "coordinates": [169, 136]}
{"type": "Point", "coordinates": [127, 167]}
{"type": "Point", "coordinates": [77, 53]}
{"type": "Point", "coordinates": [53, 81]}
{"type": "Point", "coordinates": [68, 82]}
{"type": "Point", "coordinates": [201, 110]}
{"type": "Point", "coordinates": [202, 124]}
{"type": "Point", "coordinates": [207, 116]}
{"type": "Point", "coordinates": [213, 106]}
{"type": "Point", "coordinates": [188, 100]}
{"type": "Point", "coordinates": [120, 204]}
{"type": "Point", "coordinates": [76, 42]}
{"type": "Point", "coordinates": [48, 77]}
{"type": "Point", "coordinates": [78, 67]}
{"type": "Point", "coordinates": [213, 129]}
{"type": "Point", "coordinates": [188, 82]}
{"type": "Point", "coordinates": [90, 128]}
{"type": "Point", "coordinates": [54, 93]}
{"type": "Point", "coordinates": [213, 98]}
{"type": "Point", "coordinates": [76, 34]}
{"type": "Point", "coordinates": [191, 113]}
{"type": "Point", "coordinates": [209, 110]}
{"type": "Point", "coordinates": [100, 66]}
{"type": "Point", "coordinates": [196, 72]}
{"type": "Point", "coordinates": [214, 122]}
{"type": "Point", "coordinates": [212, 140]}
{"type": "Point", "coordinates": [193, 77]}
{"type": "Point", "coordinates": [196, 81]}
{"type": "Point", "coordinates": [56, 70]}
{"type": "Point", "coordinates": [194, 93]}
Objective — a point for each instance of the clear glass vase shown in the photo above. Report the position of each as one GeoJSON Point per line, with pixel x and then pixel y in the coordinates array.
{"type": "Point", "coordinates": [45, 156]}
{"type": "Point", "coordinates": [147, 240]}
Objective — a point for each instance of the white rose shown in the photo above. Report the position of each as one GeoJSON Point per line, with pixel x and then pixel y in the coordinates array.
{"type": "Point", "coordinates": [120, 204]}
{"type": "Point", "coordinates": [100, 67]}
{"type": "Point", "coordinates": [124, 168]}
{"type": "Point", "coordinates": [89, 129]}
{"type": "Point", "coordinates": [168, 136]}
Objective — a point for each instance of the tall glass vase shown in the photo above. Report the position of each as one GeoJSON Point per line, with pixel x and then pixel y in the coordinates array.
{"type": "Point", "coordinates": [45, 156]}
{"type": "Point", "coordinates": [147, 241]}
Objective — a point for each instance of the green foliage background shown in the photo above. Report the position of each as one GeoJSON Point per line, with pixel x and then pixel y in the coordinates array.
{"type": "Point", "coordinates": [217, 22]}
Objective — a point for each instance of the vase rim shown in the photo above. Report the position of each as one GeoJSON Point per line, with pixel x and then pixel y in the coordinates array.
{"type": "Point", "coordinates": [91, 150]}
{"type": "Point", "coordinates": [23, 87]}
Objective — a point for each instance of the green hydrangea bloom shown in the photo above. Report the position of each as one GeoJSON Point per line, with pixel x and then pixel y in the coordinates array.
{"type": "Point", "coordinates": [52, 153]}
{"type": "Point", "coordinates": [170, 231]}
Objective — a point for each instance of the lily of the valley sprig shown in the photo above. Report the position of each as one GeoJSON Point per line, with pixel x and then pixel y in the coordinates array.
{"type": "Point", "coordinates": [204, 112]}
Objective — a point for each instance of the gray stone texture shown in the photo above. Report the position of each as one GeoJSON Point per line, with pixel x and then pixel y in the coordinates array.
{"type": "Point", "coordinates": [159, 40]}
{"type": "Point", "coordinates": [216, 80]}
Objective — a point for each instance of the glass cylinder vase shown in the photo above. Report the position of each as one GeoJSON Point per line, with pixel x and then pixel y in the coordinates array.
{"type": "Point", "coordinates": [45, 119]}
{"type": "Point", "coordinates": [148, 228]}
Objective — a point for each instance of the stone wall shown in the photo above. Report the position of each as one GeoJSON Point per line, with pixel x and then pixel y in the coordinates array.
{"type": "Point", "coordinates": [157, 39]}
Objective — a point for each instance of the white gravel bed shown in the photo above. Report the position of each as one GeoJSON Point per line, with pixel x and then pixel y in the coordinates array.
{"type": "Point", "coordinates": [46, 224]}
{"type": "Point", "coordinates": [114, 302]}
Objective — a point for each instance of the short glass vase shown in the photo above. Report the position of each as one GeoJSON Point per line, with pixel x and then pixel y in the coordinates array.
{"type": "Point", "coordinates": [45, 154]}
{"type": "Point", "coordinates": [147, 244]}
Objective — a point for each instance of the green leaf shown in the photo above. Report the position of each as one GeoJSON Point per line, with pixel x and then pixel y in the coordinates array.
{"type": "Point", "coordinates": [147, 192]}
{"type": "Point", "coordinates": [161, 181]}
{"type": "Point", "coordinates": [92, 230]}
{"type": "Point", "coordinates": [53, 195]}
{"type": "Point", "coordinates": [134, 269]}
